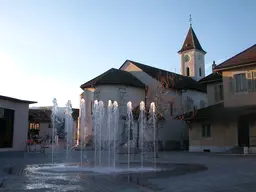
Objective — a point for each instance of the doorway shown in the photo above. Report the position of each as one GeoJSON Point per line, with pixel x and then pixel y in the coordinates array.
{"type": "Point", "coordinates": [6, 128]}
{"type": "Point", "coordinates": [243, 132]}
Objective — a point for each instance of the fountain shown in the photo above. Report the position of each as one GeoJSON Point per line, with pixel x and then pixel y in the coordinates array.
{"type": "Point", "coordinates": [105, 133]}
{"type": "Point", "coordinates": [142, 125]}
{"type": "Point", "coordinates": [82, 176]}
{"type": "Point", "coordinates": [98, 116]}
{"type": "Point", "coordinates": [112, 128]}
{"type": "Point", "coordinates": [152, 119]}
{"type": "Point", "coordinates": [95, 127]}
{"type": "Point", "coordinates": [82, 130]}
{"type": "Point", "coordinates": [115, 122]}
{"type": "Point", "coordinates": [130, 129]}
{"type": "Point", "coordinates": [109, 123]}
{"type": "Point", "coordinates": [54, 118]}
{"type": "Point", "coordinates": [68, 127]}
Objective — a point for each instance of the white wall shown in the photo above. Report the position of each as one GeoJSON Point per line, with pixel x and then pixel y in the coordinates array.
{"type": "Point", "coordinates": [20, 124]}
{"type": "Point", "coordinates": [197, 61]}
{"type": "Point", "coordinates": [89, 99]}
{"type": "Point", "coordinates": [174, 130]}
{"type": "Point", "coordinates": [196, 96]}
{"type": "Point", "coordinates": [112, 92]}
{"type": "Point", "coordinates": [44, 129]}
{"type": "Point", "coordinates": [122, 94]}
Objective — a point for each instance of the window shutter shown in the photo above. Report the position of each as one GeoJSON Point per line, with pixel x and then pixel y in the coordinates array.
{"type": "Point", "coordinates": [221, 92]}
{"type": "Point", "coordinates": [230, 85]}
{"type": "Point", "coordinates": [208, 130]}
{"type": "Point", "coordinates": [92, 104]}
{"type": "Point", "coordinates": [244, 82]}
{"type": "Point", "coordinates": [238, 82]}
{"type": "Point", "coordinates": [203, 131]}
{"type": "Point", "coordinates": [249, 81]}
{"type": "Point", "coordinates": [254, 80]}
{"type": "Point", "coordinates": [216, 93]}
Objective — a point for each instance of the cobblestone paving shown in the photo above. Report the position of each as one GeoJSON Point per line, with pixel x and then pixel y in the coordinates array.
{"type": "Point", "coordinates": [225, 174]}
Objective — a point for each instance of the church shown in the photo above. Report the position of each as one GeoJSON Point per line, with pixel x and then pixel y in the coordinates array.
{"type": "Point", "coordinates": [172, 93]}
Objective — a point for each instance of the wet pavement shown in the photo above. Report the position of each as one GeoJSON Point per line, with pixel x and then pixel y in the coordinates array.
{"type": "Point", "coordinates": [184, 172]}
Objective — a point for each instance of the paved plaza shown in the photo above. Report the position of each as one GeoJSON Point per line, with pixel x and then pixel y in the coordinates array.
{"type": "Point", "coordinates": [225, 173]}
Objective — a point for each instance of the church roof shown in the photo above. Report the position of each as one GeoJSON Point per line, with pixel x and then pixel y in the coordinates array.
{"type": "Point", "coordinates": [246, 57]}
{"type": "Point", "coordinates": [191, 42]}
{"type": "Point", "coordinates": [175, 81]}
{"type": "Point", "coordinates": [114, 77]}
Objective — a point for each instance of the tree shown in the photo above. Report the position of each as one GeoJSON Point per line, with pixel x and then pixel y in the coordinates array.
{"type": "Point", "coordinates": [159, 93]}
{"type": "Point", "coordinates": [165, 94]}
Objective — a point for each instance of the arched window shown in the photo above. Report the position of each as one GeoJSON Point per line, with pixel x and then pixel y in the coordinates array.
{"type": "Point", "coordinates": [188, 72]}
{"type": "Point", "coordinates": [200, 72]}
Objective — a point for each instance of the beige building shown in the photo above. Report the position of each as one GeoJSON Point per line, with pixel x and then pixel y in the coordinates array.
{"type": "Point", "coordinates": [228, 123]}
{"type": "Point", "coordinates": [173, 93]}
{"type": "Point", "coordinates": [40, 120]}
{"type": "Point", "coordinates": [13, 123]}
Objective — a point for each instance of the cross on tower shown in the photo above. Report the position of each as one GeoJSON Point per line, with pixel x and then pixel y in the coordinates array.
{"type": "Point", "coordinates": [190, 20]}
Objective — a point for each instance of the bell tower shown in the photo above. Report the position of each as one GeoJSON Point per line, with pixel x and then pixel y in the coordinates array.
{"type": "Point", "coordinates": [192, 56]}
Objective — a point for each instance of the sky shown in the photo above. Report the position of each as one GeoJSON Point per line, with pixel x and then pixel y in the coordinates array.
{"type": "Point", "coordinates": [49, 48]}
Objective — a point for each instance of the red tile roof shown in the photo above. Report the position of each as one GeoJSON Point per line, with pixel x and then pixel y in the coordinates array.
{"type": "Point", "coordinates": [244, 58]}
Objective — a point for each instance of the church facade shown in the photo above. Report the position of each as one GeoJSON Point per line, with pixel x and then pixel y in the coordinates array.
{"type": "Point", "coordinates": [172, 93]}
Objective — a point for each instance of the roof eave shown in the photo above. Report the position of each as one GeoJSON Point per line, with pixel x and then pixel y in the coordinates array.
{"type": "Point", "coordinates": [218, 69]}
{"type": "Point", "coordinates": [210, 81]}
{"type": "Point", "coordinates": [86, 86]}
{"type": "Point", "coordinates": [93, 86]}
{"type": "Point", "coordinates": [127, 60]}
{"type": "Point", "coordinates": [16, 100]}
{"type": "Point", "coordinates": [30, 102]}
{"type": "Point", "coordinates": [182, 50]}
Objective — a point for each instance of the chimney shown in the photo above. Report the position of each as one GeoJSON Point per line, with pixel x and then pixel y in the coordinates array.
{"type": "Point", "coordinates": [213, 66]}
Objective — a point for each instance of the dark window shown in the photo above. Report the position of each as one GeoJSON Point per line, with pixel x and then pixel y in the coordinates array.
{"type": "Point", "coordinates": [131, 134]}
{"type": "Point", "coordinates": [92, 105]}
{"type": "Point", "coordinates": [6, 128]}
{"type": "Point", "coordinates": [218, 91]}
{"type": "Point", "coordinates": [240, 82]}
{"type": "Point", "coordinates": [206, 130]}
{"type": "Point", "coordinates": [171, 108]}
{"type": "Point", "coordinates": [188, 72]}
{"type": "Point", "coordinates": [200, 72]}
{"type": "Point", "coordinates": [221, 92]}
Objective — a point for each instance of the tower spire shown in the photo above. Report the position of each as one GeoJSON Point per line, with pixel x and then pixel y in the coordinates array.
{"type": "Point", "coordinates": [190, 20]}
